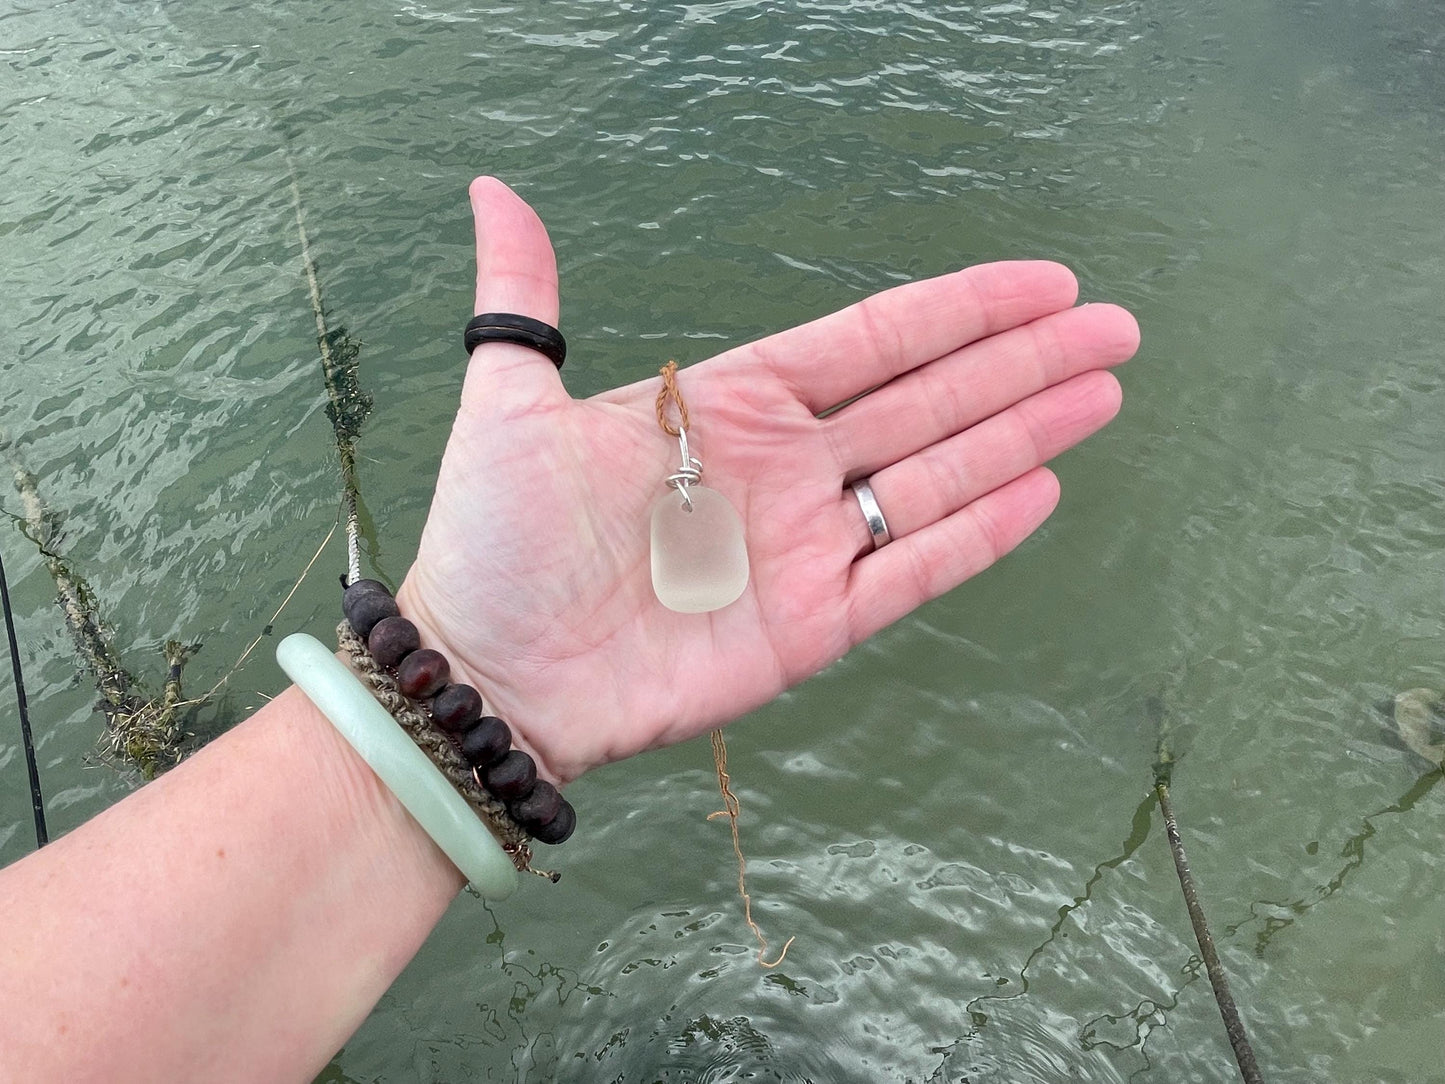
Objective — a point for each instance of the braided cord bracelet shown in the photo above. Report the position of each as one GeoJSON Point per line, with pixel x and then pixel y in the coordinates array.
{"type": "Point", "coordinates": [466, 753]}
{"type": "Point", "coordinates": [419, 727]}
{"type": "Point", "coordinates": [399, 764]}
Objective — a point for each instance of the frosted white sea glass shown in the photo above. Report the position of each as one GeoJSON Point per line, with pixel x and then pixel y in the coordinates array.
{"type": "Point", "coordinates": [699, 558]}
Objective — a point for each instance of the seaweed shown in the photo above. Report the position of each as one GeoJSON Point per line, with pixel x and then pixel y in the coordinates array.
{"type": "Point", "coordinates": [141, 729]}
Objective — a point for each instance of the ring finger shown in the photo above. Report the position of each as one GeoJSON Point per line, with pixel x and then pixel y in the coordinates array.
{"type": "Point", "coordinates": [939, 480]}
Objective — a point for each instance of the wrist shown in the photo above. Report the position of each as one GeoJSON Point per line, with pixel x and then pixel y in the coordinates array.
{"type": "Point", "coordinates": [446, 717]}
{"type": "Point", "coordinates": [437, 632]}
{"type": "Point", "coordinates": [355, 810]}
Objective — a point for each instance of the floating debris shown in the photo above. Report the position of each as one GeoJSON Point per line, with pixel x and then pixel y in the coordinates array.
{"type": "Point", "coordinates": [1418, 720]}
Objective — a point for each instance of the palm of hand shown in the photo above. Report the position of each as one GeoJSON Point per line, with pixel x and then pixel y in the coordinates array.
{"type": "Point", "coordinates": [533, 571]}
{"type": "Point", "coordinates": [561, 628]}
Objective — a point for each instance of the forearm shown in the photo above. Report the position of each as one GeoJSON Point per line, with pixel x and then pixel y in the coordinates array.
{"type": "Point", "coordinates": [236, 919]}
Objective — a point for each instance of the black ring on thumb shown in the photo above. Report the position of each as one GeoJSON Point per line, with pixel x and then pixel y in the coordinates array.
{"type": "Point", "coordinates": [510, 327]}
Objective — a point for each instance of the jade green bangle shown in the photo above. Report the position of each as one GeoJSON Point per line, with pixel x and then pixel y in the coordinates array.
{"type": "Point", "coordinates": [399, 764]}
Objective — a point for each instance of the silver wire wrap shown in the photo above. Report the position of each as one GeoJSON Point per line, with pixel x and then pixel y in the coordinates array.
{"type": "Point", "coordinates": [689, 474]}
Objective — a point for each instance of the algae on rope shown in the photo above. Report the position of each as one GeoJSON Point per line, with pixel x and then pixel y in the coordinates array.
{"type": "Point", "coordinates": [142, 729]}
{"type": "Point", "coordinates": [146, 730]}
{"type": "Point", "coordinates": [347, 405]}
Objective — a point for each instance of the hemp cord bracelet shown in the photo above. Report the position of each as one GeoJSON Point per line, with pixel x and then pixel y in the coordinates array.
{"type": "Point", "coordinates": [473, 751]}
{"type": "Point", "coordinates": [401, 767]}
{"type": "Point", "coordinates": [436, 746]}
{"type": "Point", "coordinates": [422, 678]}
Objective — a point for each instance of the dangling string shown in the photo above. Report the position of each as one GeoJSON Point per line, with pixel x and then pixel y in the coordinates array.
{"type": "Point", "coordinates": [731, 808]}
{"type": "Point", "coordinates": [691, 474]}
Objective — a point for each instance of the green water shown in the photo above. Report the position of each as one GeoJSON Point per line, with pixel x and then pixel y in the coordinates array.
{"type": "Point", "coordinates": [954, 819]}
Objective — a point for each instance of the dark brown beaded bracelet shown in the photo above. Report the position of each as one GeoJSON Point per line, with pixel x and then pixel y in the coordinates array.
{"type": "Point", "coordinates": [486, 742]}
{"type": "Point", "coordinates": [422, 673]}
{"type": "Point", "coordinates": [365, 604]}
{"type": "Point", "coordinates": [457, 709]}
{"type": "Point", "coordinates": [512, 777]}
{"type": "Point", "coordinates": [540, 806]}
{"type": "Point", "coordinates": [454, 711]}
{"type": "Point", "coordinates": [560, 827]}
{"type": "Point", "coordinates": [392, 639]}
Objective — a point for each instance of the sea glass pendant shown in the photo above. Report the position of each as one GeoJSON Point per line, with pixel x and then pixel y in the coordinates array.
{"type": "Point", "coordinates": [699, 559]}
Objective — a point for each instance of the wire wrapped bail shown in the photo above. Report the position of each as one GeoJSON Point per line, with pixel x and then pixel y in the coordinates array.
{"type": "Point", "coordinates": [689, 474]}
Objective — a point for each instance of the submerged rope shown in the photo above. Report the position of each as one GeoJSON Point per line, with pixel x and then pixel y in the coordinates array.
{"type": "Point", "coordinates": [143, 730]}
{"type": "Point", "coordinates": [347, 405]}
{"type": "Point", "coordinates": [1233, 1024]}
{"type": "Point", "coordinates": [37, 799]}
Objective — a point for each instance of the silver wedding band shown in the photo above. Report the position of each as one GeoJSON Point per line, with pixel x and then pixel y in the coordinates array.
{"type": "Point", "coordinates": [872, 514]}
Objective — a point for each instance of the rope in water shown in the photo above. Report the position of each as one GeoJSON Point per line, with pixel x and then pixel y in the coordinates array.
{"type": "Point", "coordinates": [332, 369]}
{"type": "Point", "coordinates": [1233, 1024]}
{"type": "Point", "coordinates": [37, 799]}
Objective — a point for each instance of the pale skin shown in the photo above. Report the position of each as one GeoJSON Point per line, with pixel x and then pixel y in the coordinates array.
{"type": "Point", "coordinates": [238, 918]}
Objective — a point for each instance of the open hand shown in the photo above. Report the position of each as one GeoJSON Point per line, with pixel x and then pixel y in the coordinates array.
{"type": "Point", "coordinates": [533, 571]}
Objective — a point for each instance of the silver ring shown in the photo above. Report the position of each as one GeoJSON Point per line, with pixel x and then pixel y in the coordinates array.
{"type": "Point", "coordinates": [872, 514]}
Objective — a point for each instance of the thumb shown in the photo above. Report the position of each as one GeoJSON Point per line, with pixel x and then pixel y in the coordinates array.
{"type": "Point", "coordinates": [516, 273]}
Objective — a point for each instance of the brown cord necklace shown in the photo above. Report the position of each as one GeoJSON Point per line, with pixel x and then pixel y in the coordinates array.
{"type": "Point", "coordinates": [700, 564]}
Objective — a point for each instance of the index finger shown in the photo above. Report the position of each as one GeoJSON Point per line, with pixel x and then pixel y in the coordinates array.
{"type": "Point", "coordinates": [834, 358]}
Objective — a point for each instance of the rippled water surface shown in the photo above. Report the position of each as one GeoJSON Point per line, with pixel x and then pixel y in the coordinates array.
{"type": "Point", "coordinates": [955, 820]}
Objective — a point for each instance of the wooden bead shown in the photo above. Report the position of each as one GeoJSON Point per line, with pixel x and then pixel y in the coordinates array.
{"type": "Point", "coordinates": [392, 639]}
{"type": "Point", "coordinates": [363, 587]}
{"type": "Point", "coordinates": [365, 603]}
{"type": "Point", "coordinates": [537, 808]}
{"type": "Point", "coordinates": [511, 777]}
{"type": "Point", "coordinates": [423, 673]}
{"type": "Point", "coordinates": [456, 708]}
{"type": "Point", "coordinates": [560, 828]}
{"type": "Point", "coordinates": [486, 742]}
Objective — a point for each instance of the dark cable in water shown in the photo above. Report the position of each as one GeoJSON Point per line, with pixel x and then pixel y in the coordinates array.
{"type": "Point", "coordinates": [1233, 1025]}
{"type": "Point", "coordinates": [37, 799]}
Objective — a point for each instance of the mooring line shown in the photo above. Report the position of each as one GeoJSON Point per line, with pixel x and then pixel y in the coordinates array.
{"type": "Point", "coordinates": [1218, 980]}
{"type": "Point", "coordinates": [37, 799]}
{"type": "Point", "coordinates": [338, 368]}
